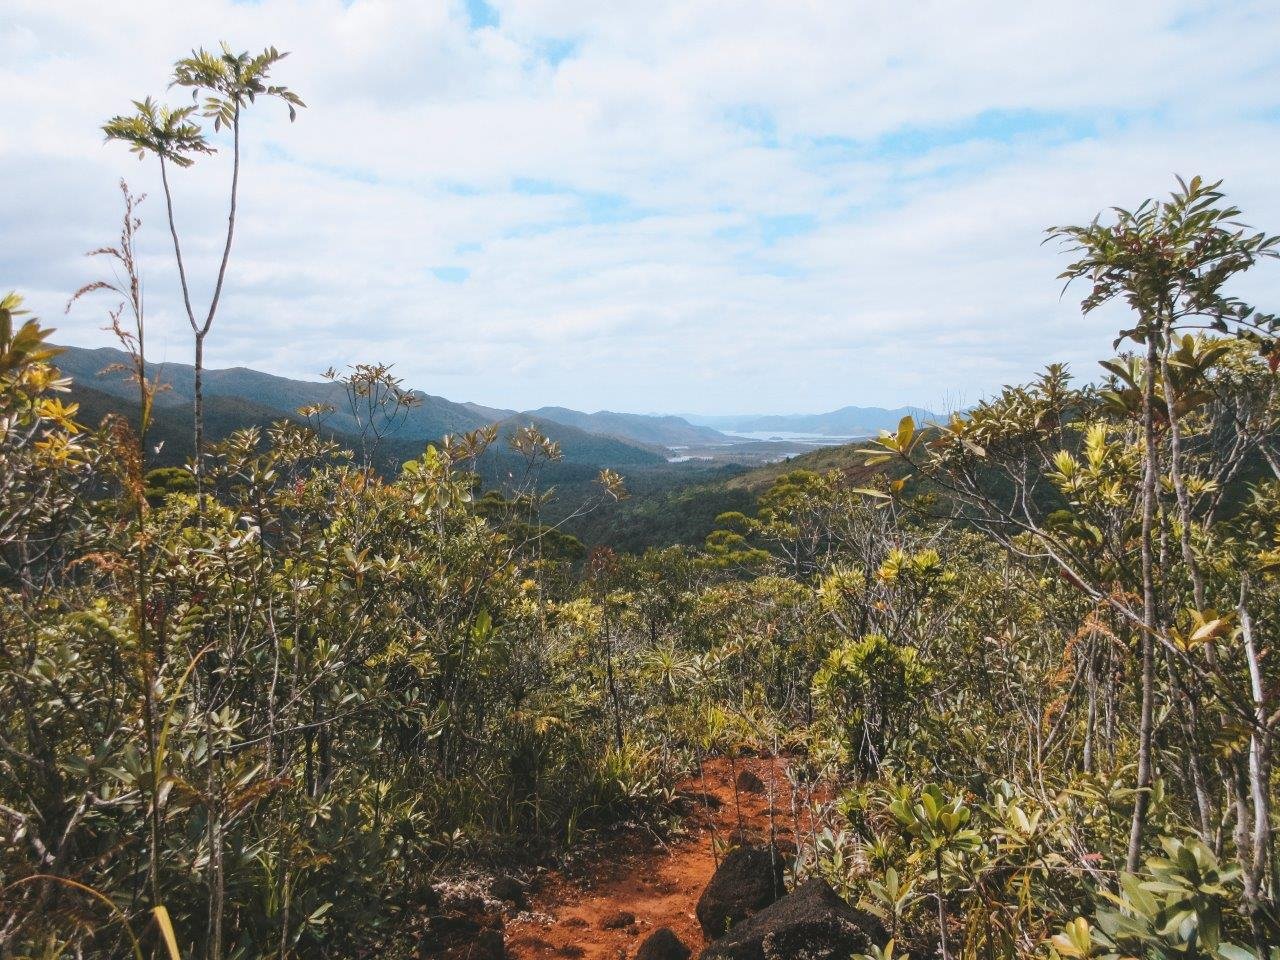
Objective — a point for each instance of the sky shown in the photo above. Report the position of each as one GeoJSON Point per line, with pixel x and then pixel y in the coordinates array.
{"type": "Point", "coordinates": [693, 207]}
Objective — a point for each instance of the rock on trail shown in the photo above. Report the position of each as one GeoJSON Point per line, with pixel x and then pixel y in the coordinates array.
{"type": "Point", "coordinates": [811, 923]}
{"type": "Point", "coordinates": [657, 884]}
{"type": "Point", "coordinates": [662, 944]}
{"type": "Point", "coordinates": [748, 879]}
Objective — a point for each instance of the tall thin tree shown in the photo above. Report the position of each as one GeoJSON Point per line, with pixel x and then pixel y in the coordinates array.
{"type": "Point", "coordinates": [230, 82]}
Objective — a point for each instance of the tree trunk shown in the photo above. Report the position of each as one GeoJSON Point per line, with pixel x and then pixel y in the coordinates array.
{"type": "Point", "coordinates": [198, 409]}
{"type": "Point", "coordinates": [1254, 857]}
{"type": "Point", "coordinates": [1146, 723]}
{"type": "Point", "coordinates": [1091, 724]}
{"type": "Point", "coordinates": [613, 690]}
{"type": "Point", "coordinates": [942, 909]}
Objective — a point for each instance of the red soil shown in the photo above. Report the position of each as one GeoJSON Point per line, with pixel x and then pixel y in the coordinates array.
{"type": "Point", "coordinates": [658, 883]}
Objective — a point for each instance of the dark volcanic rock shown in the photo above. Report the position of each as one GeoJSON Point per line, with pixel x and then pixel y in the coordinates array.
{"type": "Point", "coordinates": [509, 890]}
{"type": "Point", "coordinates": [748, 879]}
{"type": "Point", "coordinates": [430, 902]}
{"type": "Point", "coordinates": [489, 945]}
{"type": "Point", "coordinates": [812, 923]}
{"type": "Point", "coordinates": [748, 782]}
{"type": "Point", "coordinates": [617, 920]}
{"type": "Point", "coordinates": [465, 930]}
{"type": "Point", "coordinates": [696, 800]}
{"type": "Point", "coordinates": [662, 944]}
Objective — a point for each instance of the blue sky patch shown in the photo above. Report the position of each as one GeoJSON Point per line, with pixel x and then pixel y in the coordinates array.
{"type": "Point", "coordinates": [451, 274]}
{"type": "Point", "coordinates": [481, 14]}
{"type": "Point", "coordinates": [556, 51]}
{"type": "Point", "coordinates": [757, 120]}
{"type": "Point", "coordinates": [773, 229]}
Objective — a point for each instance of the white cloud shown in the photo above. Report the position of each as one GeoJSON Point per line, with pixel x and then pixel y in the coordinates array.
{"type": "Point", "coordinates": [611, 207]}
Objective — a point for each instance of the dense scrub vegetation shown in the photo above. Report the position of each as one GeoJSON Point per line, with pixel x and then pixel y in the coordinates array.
{"type": "Point", "coordinates": [253, 708]}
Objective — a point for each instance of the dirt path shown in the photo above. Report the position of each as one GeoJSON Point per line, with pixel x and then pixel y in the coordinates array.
{"type": "Point", "coordinates": [659, 884]}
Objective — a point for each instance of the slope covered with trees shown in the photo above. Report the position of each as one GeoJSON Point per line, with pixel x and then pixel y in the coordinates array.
{"type": "Point", "coordinates": [683, 509]}
{"type": "Point", "coordinates": [661, 431]}
{"type": "Point", "coordinates": [430, 417]}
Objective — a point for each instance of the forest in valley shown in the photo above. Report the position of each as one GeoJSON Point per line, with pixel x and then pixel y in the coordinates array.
{"type": "Point", "coordinates": [1015, 671]}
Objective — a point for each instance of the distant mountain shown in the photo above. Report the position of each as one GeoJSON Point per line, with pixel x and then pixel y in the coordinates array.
{"type": "Point", "coordinates": [494, 414]}
{"type": "Point", "coordinates": [170, 436]}
{"type": "Point", "coordinates": [673, 502]}
{"type": "Point", "coordinates": [582, 446]}
{"type": "Point", "coordinates": [845, 422]}
{"type": "Point", "coordinates": [659, 430]}
{"type": "Point", "coordinates": [431, 419]}
{"type": "Point", "coordinates": [239, 397]}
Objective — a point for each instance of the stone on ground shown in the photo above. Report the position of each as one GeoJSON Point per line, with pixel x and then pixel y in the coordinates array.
{"type": "Point", "coordinates": [464, 929]}
{"type": "Point", "coordinates": [748, 879]}
{"type": "Point", "coordinates": [662, 944]}
{"type": "Point", "coordinates": [617, 920]}
{"type": "Point", "coordinates": [509, 890]}
{"type": "Point", "coordinates": [812, 923]}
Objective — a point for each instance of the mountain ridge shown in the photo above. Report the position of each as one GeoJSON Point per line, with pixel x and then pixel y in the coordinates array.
{"type": "Point", "coordinates": [431, 419]}
{"type": "Point", "coordinates": [666, 430]}
{"type": "Point", "coordinates": [848, 421]}
{"type": "Point", "coordinates": [241, 396]}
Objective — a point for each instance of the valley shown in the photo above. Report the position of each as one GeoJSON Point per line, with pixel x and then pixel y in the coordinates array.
{"type": "Point", "coordinates": [679, 475]}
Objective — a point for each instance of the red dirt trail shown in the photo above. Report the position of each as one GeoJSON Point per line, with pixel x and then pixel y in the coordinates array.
{"type": "Point", "coordinates": [659, 884]}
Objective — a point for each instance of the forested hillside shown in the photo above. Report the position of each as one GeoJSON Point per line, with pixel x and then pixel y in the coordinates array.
{"type": "Point", "coordinates": [685, 508]}
{"type": "Point", "coordinates": [671, 503]}
{"type": "Point", "coordinates": [241, 398]}
{"type": "Point", "coordinates": [663, 431]}
{"type": "Point", "coordinates": [999, 687]}
{"type": "Point", "coordinates": [428, 419]}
